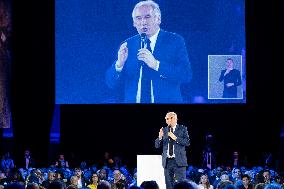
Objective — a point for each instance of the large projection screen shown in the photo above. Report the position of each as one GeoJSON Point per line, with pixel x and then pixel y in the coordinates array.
{"type": "Point", "coordinates": [89, 34]}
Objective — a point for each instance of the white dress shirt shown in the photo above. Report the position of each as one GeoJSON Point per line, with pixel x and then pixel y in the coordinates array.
{"type": "Point", "coordinates": [153, 40]}
{"type": "Point", "coordinates": [168, 153]}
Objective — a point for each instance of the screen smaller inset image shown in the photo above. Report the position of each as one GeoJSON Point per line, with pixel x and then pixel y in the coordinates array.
{"type": "Point", "coordinates": [225, 77]}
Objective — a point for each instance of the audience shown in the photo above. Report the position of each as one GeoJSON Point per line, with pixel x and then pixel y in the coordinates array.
{"type": "Point", "coordinates": [185, 184]}
{"type": "Point", "coordinates": [149, 185]}
{"type": "Point", "coordinates": [119, 177]}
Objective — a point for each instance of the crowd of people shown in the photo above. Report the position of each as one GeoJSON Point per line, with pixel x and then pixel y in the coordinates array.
{"type": "Point", "coordinates": [110, 175]}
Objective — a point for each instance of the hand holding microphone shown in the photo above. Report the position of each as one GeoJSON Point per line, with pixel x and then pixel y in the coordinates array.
{"type": "Point", "coordinates": [171, 134]}
{"type": "Point", "coordinates": [144, 54]}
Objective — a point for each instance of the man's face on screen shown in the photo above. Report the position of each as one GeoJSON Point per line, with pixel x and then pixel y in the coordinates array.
{"type": "Point", "coordinates": [145, 20]}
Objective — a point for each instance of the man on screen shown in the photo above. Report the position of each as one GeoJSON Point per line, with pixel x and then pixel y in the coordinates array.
{"type": "Point", "coordinates": [173, 139]}
{"type": "Point", "coordinates": [152, 64]}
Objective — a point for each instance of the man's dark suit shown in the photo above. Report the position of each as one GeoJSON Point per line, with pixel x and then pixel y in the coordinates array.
{"type": "Point", "coordinates": [179, 150]}
{"type": "Point", "coordinates": [174, 69]}
{"type": "Point", "coordinates": [22, 163]}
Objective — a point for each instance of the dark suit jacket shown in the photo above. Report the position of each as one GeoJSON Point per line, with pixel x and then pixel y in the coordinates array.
{"type": "Point", "coordinates": [174, 69]}
{"type": "Point", "coordinates": [22, 163]}
{"type": "Point", "coordinates": [179, 145]}
{"type": "Point", "coordinates": [234, 76]}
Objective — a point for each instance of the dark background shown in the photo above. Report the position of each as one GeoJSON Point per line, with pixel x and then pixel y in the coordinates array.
{"type": "Point", "coordinates": [128, 130]}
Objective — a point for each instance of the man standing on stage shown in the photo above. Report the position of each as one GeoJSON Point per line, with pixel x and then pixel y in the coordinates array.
{"type": "Point", "coordinates": [174, 138]}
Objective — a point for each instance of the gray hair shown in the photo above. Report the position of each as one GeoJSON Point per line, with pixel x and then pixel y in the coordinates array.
{"type": "Point", "coordinates": [172, 114]}
{"type": "Point", "coordinates": [155, 7]}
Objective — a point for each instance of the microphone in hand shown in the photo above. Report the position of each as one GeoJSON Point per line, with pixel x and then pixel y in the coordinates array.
{"type": "Point", "coordinates": [143, 40]}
